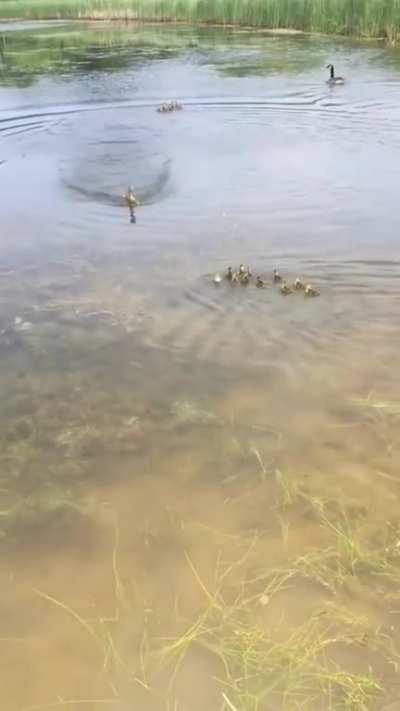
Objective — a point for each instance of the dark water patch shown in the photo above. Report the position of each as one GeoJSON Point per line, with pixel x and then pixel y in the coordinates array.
{"type": "Point", "coordinates": [102, 168]}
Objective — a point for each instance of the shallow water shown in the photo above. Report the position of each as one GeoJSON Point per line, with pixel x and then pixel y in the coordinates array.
{"type": "Point", "coordinates": [141, 400]}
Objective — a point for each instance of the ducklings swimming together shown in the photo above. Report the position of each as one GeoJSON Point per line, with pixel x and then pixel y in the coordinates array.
{"type": "Point", "coordinates": [169, 106]}
{"type": "Point", "coordinates": [244, 276]}
{"type": "Point", "coordinates": [298, 285]}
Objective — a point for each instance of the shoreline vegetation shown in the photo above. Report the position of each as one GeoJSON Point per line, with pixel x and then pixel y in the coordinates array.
{"type": "Point", "coordinates": [357, 18]}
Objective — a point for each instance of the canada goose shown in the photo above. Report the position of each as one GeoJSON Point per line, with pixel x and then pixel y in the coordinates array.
{"type": "Point", "coordinates": [332, 79]}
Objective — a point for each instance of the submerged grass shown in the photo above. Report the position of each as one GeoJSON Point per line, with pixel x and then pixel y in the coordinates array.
{"type": "Point", "coordinates": [281, 666]}
{"type": "Point", "coordinates": [330, 657]}
{"type": "Point", "coordinates": [260, 662]}
{"type": "Point", "coordinates": [370, 18]}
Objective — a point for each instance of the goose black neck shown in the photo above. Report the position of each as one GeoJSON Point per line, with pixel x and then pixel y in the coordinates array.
{"type": "Point", "coordinates": [332, 72]}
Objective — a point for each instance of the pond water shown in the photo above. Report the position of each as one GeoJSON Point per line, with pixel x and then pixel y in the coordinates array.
{"type": "Point", "coordinates": [193, 476]}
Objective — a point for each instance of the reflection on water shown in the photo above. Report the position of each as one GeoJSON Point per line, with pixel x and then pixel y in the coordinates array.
{"type": "Point", "coordinates": [177, 456]}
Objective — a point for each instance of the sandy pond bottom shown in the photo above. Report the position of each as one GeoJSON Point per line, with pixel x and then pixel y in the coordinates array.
{"type": "Point", "coordinates": [178, 540]}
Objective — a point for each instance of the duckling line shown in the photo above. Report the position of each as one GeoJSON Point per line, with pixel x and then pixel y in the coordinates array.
{"type": "Point", "coordinates": [243, 276]}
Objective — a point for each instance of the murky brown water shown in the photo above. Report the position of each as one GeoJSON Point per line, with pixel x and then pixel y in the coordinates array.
{"type": "Point", "coordinates": [157, 429]}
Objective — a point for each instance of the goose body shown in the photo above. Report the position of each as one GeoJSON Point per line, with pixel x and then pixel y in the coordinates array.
{"type": "Point", "coordinates": [333, 80]}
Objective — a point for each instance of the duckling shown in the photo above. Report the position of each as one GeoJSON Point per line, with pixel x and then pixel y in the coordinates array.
{"type": "Point", "coordinates": [310, 291]}
{"type": "Point", "coordinates": [332, 79]}
{"type": "Point", "coordinates": [285, 289]}
{"type": "Point", "coordinates": [298, 285]}
{"type": "Point", "coordinates": [244, 278]}
{"type": "Point", "coordinates": [229, 274]}
{"type": "Point", "coordinates": [242, 269]}
{"type": "Point", "coordinates": [217, 279]}
{"type": "Point", "coordinates": [277, 277]}
{"type": "Point", "coordinates": [162, 109]}
{"type": "Point", "coordinates": [260, 283]}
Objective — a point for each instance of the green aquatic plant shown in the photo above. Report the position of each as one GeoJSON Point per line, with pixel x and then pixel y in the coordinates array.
{"type": "Point", "coordinates": [284, 666]}
{"type": "Point", "coordinates": [26, 55]}
{"type": "Point", "coordinates": [257, 657]}
{"type": "Point", "coordinates": [358, 17]}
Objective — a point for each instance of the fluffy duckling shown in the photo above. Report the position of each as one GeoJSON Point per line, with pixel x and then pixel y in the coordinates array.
{"type": "Point", "coordinates": [298, 285]}
{"type": "Point", "coordinates": [311, 291]}
{"type": "Point", "coordinates": [285, 289]}
{"type": "Point", "coordinates": [260, 283]}
{"type": "Point", "coordinates": [217, 279]}
{"type": "Point", "coordinates": [229, 274]}
{"type": "Point", "coordinates": [242, 270]}
{"type": "Point", "coordinates": [277, 277]}
{"type": "Point", "coordinates": [333, 81]}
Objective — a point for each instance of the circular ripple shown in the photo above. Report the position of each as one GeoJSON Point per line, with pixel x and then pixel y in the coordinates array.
{"type": "Point", "coordinates": [113, 157]}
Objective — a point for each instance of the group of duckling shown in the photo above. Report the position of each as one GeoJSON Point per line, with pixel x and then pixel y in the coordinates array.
{"type": "Point", "coordinates": [169, 106]}
{"type": "Point", "coordinates": [244, 276]}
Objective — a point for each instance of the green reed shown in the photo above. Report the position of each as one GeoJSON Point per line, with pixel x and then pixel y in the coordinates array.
{"type": "Point", "coordinates": [369, 18]}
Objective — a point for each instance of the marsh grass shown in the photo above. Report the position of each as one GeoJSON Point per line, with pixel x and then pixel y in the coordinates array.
{"type": "Point", "coordinates": [356, 17]}
{"type": "Point", "coordinates": [353, 548]}
{"type": "Point", "coordinates": [261, 660]}
{"type": "Point", "coordinates": [262, 667]}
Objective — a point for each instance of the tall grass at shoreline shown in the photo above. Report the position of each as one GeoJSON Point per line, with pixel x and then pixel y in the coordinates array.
{"type": "Point", "coordinates": [368, 18]}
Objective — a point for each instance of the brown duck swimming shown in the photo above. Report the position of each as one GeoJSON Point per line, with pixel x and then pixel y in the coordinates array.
{"type": "Point", "coordinates": [130, 197]}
